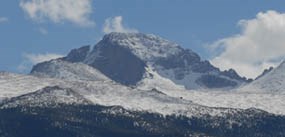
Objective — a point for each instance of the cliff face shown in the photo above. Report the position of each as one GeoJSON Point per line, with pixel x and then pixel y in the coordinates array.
{"type": "Point", "coordinates": [126, 57]}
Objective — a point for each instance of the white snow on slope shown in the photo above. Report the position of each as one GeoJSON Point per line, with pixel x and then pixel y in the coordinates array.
{"type": "Point", "coordinates": [152, 80]}
{"type": "Point", "coordinates": [47, 97]}
{"type": "Point", "coordinates": [271, 102]}
{"type": "Point", "coordinates": [109, 94]}
{"type": "Point", "coordinates": [145, 46]}
{"type": "Point", "coordinates": [12, 85]}
{"type": "Point", "coordinates": [71, 71]}
{"type": "Point", "coordinates": [272, 82]}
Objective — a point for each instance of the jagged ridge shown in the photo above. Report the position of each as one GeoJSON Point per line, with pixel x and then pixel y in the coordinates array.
{"type": "Point", "coordinates": [124, 57]}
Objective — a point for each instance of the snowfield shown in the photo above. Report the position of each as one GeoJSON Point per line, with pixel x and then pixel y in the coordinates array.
{"type": "Point", "coordinates": [270, 102]}
{"type": "Point", "coordinates": [243, 98]}
{"type": "Point", "coordinates": [175, 101]}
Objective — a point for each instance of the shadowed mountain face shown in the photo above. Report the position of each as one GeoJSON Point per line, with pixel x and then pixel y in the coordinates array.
{"type": "Point", "coordinates": [78, 55]}
{"type": "Point", "coordinates": [124, 57]}
{"type": "Point", "coordinates": [118, 63]}
{"type": "Point", "coordinates": [184, 59]}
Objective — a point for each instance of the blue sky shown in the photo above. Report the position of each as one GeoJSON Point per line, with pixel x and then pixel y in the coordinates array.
{"type": "Point", "coordinates": [194, 24]}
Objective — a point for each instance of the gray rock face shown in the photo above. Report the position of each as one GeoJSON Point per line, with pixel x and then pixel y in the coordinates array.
{"type": "Point", "coordinates": [233, 74]}
{"type": "Point", "coordinates": [212, 81]}
{"type": "Point", "coordinates": [78, 55]}
{"type": "Point", "coordinates": [124, 57]}
{"type": "Point", "coordinates": [186, 59]}
{"type": "Point", "coordinates": [44, 68]}
{"type": "Point", "coordinates": [118, 63]}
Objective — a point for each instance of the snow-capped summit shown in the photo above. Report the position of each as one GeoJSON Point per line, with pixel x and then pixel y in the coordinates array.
{"type": "Point", "coordinates": [271, 81]}
{"type": "Point", "coordinates": [145, 46]}
{"type": "Point", "coordinates": [142, 59]}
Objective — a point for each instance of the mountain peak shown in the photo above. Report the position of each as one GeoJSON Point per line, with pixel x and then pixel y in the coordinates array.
{"type": "Point", "coordinates": [144, 46]}
{"type": "Point", "coordinates": [129, 58]}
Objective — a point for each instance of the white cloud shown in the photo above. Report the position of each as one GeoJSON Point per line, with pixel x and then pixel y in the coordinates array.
{"type": "Point", "coordinates": [115, 24]}
{"type": "Point", "coordinates": [59, 11]}
{"type": "Point", "coordinates": [3, 19]}
{"type": "Point", "coordinates": [260, 44]}
{"type": "Point", "coordinates": [38, 58]}
{"type": "Point", "coordinates": [31, 59]}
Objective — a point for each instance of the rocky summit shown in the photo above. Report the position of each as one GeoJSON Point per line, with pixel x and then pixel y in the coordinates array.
{"type": "Point", "coordinates": [130, 58]}
{"type": "Point", "coordinates": [137, 85]}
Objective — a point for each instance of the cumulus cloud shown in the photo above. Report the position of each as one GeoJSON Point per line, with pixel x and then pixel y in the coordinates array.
{"type": "Point", "coordinates": [31, 59]}
{"type": "Point", "coordinates": [3, 19]}
{"type": "Point", "coordinates": [59, 11]}
{"type": "Point", "coordinates": [115, 24]}
{"type": "Point", "coordinates": [260, 44]}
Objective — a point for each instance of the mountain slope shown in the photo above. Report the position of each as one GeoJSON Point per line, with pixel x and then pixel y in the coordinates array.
{"type": "Point", "coordinates": [105, 93]}
{"type": "Point", "coordinates": [67, 70]}
{"type": "Point", "coordinates": [127, 57]}
{"type": "Point", "coordinates": [272, 82]}
{"type": "Point", "coordinates": [47, 97]}
{"type": "Point", "coordinates": [158, 100]}
{"type": "Point", "coordinates": [90, 108]}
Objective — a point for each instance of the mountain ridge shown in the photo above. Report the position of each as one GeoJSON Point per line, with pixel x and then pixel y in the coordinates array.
{"type": "Point", "coordinates": [272, 80]}
{"type": "Point", "coordinates": [124, 57]}
{"type": "Point", "coordinates": [136, 85]}
{"type": "Point", "coordinates": [47, 97]}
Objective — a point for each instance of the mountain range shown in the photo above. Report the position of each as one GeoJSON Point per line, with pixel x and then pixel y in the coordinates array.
{"type": "Point", "coordinates": [134, 84]}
